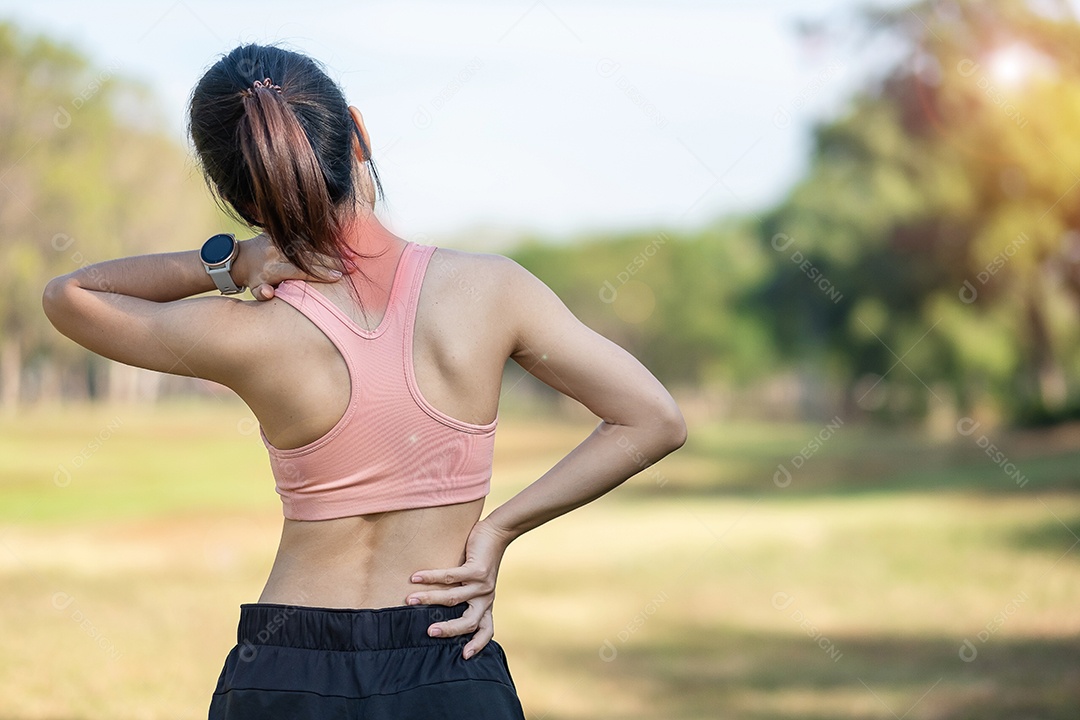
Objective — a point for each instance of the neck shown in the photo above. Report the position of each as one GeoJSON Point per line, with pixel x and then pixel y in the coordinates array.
{"type": "Point", "coordinates": [367, 235]}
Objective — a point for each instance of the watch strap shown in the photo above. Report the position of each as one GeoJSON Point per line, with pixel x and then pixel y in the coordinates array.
{"type": "Point", "coordinates": [224, 280]}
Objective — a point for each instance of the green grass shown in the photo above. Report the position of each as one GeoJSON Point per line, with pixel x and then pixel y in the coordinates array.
{"type": "Point", "coordinates": [663, 599]}
{"type": "Point", "coordinates": [98, 463]}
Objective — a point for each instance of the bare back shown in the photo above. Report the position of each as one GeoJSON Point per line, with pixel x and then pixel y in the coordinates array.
{"type": "Point", "coordinates": [460, 349]}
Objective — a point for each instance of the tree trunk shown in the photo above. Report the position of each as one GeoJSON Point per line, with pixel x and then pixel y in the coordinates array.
{"type": "Point", "coordinates": [129, 384]}
{"type": "Point", "coordinates": [51, 387]}
{"type": "Point", "coordinates": [10, 374]}
{"type": "Point", "coordinates": [1048, 375]}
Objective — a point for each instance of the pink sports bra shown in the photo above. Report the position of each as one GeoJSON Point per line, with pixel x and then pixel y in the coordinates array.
{"type": "Point", "coordinates": [391, 450]}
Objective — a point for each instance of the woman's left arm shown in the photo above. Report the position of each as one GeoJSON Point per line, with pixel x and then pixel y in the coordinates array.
{"type": "Point", "coordinates": [138, 310]}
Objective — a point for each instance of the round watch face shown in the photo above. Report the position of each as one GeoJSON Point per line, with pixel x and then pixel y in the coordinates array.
{"type": "Point", "coordinates": [217, 249]}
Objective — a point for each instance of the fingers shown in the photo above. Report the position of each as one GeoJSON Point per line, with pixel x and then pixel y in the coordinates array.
{"type": "Point", "coordinates": [467, 623]}
{"type": "Point", "coordinates": [452, 576]}
{"type": "Point", "coordinates": [484, 632]}
{"type": "Point", "coordinates": [453, 596]}
{"type": "Point", "coordinates": [446, 576]}
{"type": "Point", "coordinates": [476, 590]}
{"type": "Point", "coordinates": [263, 289]}
{"type": "Point", "coordinates": [326, 264]}
{"type": "Point", "coordinates": [465, 584]}
{"type": "Point", "coordinates": [263, 292]}
{"type": "Point", "coordinates": [286, 270]}
{"type": "Point", "coordinates": [331, 276]}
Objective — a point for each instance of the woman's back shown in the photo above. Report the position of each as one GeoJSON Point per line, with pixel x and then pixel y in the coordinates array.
{"type": "Point", "coordinates": [459, 350]}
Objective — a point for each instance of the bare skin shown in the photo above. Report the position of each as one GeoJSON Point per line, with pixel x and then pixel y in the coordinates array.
{"type": "Point", "coordinates": [459, 350]}
{"type": "Point", "coordinates": [475, 312]}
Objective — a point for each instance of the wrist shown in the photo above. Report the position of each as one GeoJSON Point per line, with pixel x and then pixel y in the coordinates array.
{"type": "Point", "coordinates": [241, 271]}
{"type": "Point", "coordinates": [503, 535]}
{"type": "Point", "coordinates": [220, 258]}
{"type": "Point", "coordinates": [206, 283]}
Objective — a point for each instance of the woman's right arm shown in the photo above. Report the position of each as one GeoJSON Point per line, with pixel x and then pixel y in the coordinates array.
{"type": "Point", "coordinates": [640, 421]}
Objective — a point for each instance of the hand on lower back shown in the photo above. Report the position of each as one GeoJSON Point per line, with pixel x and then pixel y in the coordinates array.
{"type": "Point", "coordinates": [472, 582]}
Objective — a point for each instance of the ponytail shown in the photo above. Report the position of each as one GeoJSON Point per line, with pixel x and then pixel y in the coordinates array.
{"type": "Point", "coordinates": [283, 157]}
{"type": "Point", "coordinates": [291, 200]}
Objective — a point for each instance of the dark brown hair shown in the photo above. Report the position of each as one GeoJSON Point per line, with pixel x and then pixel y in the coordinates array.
{"type": "Point", "coordinates": [281, 158]}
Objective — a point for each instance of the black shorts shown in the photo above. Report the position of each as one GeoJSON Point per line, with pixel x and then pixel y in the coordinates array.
{"type": "Point", "coordinates": [311, 663]}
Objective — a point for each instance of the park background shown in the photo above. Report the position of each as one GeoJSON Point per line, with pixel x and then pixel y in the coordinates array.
{"type": "Point", "coordinates": [846, 237]}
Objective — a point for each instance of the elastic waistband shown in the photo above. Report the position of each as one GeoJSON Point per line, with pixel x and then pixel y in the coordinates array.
{"type": "Point", "coordinates": [349, 629]}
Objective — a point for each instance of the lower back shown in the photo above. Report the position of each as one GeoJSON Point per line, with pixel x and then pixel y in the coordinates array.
{"type": "Point", "coordinates": [365, 561]}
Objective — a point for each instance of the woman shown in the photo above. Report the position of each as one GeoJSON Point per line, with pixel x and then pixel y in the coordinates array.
{"type": "Point", "coordinates": [374, 366]}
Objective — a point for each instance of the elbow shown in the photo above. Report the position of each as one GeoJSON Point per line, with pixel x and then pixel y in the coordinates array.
{"type": "Point", "coordinates": [55, 299]}
{"type": "Point", "coordinates": [671, 426]}
{"type": "Point", "coordinates": [678, 430]}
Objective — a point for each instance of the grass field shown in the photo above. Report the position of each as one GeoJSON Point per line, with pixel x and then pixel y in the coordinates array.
{"type": "Point", "coordinates": [887, 576]}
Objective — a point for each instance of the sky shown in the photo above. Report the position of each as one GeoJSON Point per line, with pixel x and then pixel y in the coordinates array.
{"type": "Point", "coordinates": [553, 117]}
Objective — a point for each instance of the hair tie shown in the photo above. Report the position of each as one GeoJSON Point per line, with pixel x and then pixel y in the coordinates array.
{"type": "Point", "coordinates": [267, 83]}
{"type": "Point", "coordinates": [264, 83]}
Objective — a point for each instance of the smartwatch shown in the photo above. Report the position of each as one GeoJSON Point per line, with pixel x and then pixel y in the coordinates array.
{"type": "Point", "coordinates": [217, 255]}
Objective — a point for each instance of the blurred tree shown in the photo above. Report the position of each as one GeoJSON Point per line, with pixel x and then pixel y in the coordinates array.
{"type": "Point", "coordinates": [672, 299]}
{"type": "Point", "coordinates": [86, 173]}
{"type": "Point", "coordinates": [942, 205]}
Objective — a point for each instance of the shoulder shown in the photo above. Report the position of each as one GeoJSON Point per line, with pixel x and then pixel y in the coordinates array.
{"type": "Point", "coordinates": [480, 274]}
{"type": "Point", "coordinates": [510, 295]}
{"type": "Point", "coordinates": [469, 261]}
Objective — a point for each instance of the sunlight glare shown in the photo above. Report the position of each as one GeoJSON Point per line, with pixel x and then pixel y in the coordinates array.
{"type": "Point", "coordinates": [1014, 64]}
